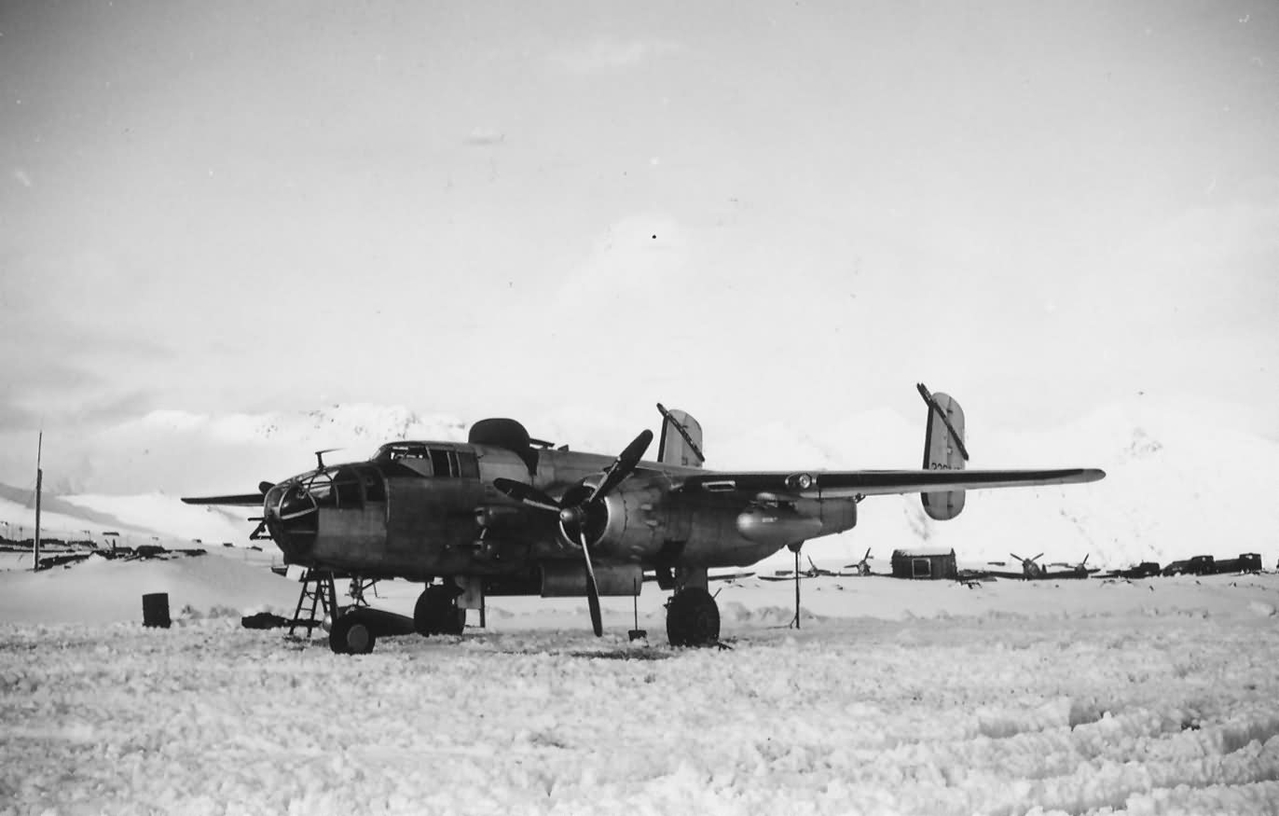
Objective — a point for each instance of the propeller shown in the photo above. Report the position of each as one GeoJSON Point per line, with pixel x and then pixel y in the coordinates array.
{"type": "Point", "coordinates": [575, 514]}
{"type": "Point", "coordinates": [1029, 565]}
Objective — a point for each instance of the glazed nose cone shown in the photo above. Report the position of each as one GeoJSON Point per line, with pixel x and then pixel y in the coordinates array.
{"type": "Point", "coordinates": [292, 519]}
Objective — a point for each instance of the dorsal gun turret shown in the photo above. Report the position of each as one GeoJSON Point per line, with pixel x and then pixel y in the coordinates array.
{"type": "Point", "coordinates": [501, 432]}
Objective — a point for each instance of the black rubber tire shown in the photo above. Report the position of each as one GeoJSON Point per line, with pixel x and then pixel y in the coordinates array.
{"type": "Point", "coordinates": [351, 635]}
{"type": "Point", "coordinates": [692, 618]}
{"type": "Point", "coordinates": [436, 612]}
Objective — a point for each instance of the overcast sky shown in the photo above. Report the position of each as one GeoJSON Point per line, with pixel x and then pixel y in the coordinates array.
{"type": "Point", "coordinates": [749, 210]}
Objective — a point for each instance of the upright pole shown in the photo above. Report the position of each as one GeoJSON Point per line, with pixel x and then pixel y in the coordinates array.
{"type": "Point", "coordinates": [39, 485]}
{"type": "Point", "coordinates": [795, 622]}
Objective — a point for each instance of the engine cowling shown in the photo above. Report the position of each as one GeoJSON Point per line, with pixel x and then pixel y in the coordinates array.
{"type": "Point", "coordinates": [626, 526]}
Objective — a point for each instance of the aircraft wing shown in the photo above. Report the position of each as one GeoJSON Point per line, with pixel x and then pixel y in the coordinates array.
{"type": "Point", "coordinates": [832, 484]}
{"type": "Point", "coordinates": [246, 499]}
{"type": "Point", "coordinates": [983, 574]}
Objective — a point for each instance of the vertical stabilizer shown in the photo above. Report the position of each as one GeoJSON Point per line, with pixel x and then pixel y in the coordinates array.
{"type": "Point", "coordinates": [943, 450]}
{"type": "Point", "coordinates": [681, 440]}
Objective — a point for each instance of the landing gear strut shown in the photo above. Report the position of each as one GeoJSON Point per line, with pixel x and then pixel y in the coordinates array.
{"type": "Point", "coordinates": [437, 612]}
{"type": "Point", "coordinates": [794, 624]}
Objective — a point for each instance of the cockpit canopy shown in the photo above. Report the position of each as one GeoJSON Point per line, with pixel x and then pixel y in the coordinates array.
{"type": "Point", "coordinates": [430, 459]}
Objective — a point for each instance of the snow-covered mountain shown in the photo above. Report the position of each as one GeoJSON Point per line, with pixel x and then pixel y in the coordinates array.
{"type": "Point", "coordinates": [1180, 480]}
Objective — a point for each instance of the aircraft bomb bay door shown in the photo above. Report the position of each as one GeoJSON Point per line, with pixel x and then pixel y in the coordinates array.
{"type": "Point", "coordinates": [432, 501]}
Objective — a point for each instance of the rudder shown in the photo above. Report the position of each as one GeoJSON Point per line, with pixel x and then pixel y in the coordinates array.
{"type": "Point", "coordinates": [943, 450]}
{"type": "Point", "coordinates": [681, 439]}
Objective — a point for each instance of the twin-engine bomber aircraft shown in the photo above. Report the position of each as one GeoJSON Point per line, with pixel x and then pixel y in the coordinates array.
{"type": "Point", "coordinates": [505, 514]}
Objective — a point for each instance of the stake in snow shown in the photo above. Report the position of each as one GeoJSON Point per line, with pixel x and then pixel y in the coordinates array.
{"type": "Point", "coordinates": [506, 514]}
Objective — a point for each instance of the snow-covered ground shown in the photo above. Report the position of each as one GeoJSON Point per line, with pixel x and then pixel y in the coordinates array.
{"type": "Point", "coordinates": [1076, 697]}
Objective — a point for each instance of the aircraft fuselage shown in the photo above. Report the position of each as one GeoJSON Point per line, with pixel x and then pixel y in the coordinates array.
{"type": "Point", "coordinates": [419, 510]}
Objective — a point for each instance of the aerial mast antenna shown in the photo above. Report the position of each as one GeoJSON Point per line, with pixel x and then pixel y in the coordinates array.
{"type": "Point", "coordinates": [39, 483]}
{"type": "Point", "coordinates": [319, 458]}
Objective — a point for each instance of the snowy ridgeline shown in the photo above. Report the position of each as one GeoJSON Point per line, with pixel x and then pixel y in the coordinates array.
{"type": "Point", "coordinates": [908, 697]}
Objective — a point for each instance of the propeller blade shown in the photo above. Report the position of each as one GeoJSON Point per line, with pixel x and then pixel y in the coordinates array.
{"type": "Point", "coordinates": [592, 592]}
{"type": "Point", "coordinates": [1037, 557]}
{"type": "Point", "coordinates": [526, 494]}
{"type": "Point", "coordinates": [622, 465]}
{"type": "Point", "coordinates": [263, 487]}
{"type": "Point", "coordinates": [1015, 555]}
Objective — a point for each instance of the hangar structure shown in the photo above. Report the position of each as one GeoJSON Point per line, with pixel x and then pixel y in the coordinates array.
{"type": "Point", "coordinates": [925, 564]}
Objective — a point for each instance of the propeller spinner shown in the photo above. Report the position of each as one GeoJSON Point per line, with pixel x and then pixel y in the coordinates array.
{"type": "Point", "coordinates": [575, 514]}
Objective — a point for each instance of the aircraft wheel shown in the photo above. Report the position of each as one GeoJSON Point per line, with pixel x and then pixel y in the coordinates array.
{"type": "Point", "coordinates": [351, 635]}
{"type": "Point", "coordinates": [436, 612]}
{"type": "Point", "coordinates": [692, 618]}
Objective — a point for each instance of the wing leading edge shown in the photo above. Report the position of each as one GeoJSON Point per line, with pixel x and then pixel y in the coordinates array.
{"type": "Point", "coordinates": [852, 483]}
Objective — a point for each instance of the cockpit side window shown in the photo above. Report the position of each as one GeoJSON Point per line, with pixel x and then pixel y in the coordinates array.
{"type": "Point", "coordinates": [440, 463]}
{"type": "Point", "coordinates": [468, 465]}
{"type": "Point", "coordinates": [346, 482]}
{"type": "Point", "coordinates": [444, 463]}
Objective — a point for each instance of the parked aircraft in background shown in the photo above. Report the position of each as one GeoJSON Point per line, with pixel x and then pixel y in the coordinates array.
{"type": "Point", "coordinates": [507, 514]}
{"type": "Point", "coordinates": [1032, 570]}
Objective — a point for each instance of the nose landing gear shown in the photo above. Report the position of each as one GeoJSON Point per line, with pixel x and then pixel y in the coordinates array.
{"type": "Point", "coordinates": [358, 628]}
{"type": "Point", "coordinates": [351, 635]}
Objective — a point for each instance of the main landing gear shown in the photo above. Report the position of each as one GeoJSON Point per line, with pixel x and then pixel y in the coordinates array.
{"type": "Point", "coordinates": [692, 615]}
{"type": "Point", "coordinates": [692, 618]}
{"type": "Point", "coordinates": [437, 612]}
